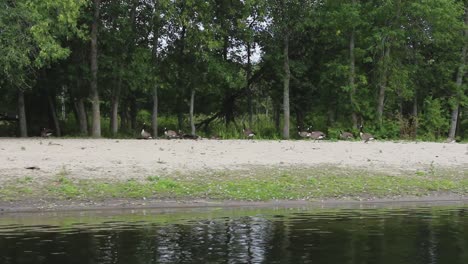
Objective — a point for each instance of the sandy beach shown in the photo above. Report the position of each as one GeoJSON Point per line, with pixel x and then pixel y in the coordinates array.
{"type": "Point", "coordinates": [124, 159]}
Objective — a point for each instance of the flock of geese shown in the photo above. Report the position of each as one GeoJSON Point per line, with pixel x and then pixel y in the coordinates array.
{"type": "Point", "coordinates": [319, 135]}
{"type": "Point", "coordinates": [250, 134]}
{"type": "Point", "coordinates": [247, 132]}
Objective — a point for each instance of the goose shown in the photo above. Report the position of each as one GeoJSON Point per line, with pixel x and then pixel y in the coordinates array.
{"type": "Point", "coordinates": [249, 133]}
{"type": "Point", "coordinates": [145, 134]}
{"type": "Point", "coordinates": [170, 133]}
{"type": "Point", "coordinates": [346, 135]}
{"type": "Point", "coordinates": [303, 133]}
{"type": "Point", "coordinates": [317, 135]}
{"type": "Point", "coordinates": [365, 136]}
{"type": "Point", "coordinates": [45, 132]}
{"type": "Point", "coordinates": [450, 140]}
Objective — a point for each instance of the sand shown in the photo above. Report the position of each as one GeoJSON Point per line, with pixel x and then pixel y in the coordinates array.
{"type": "Point", "coordinates": [125, 159]}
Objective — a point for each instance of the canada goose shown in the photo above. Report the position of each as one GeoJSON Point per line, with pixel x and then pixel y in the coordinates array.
{"type": "Point", "coordinates": [170, 133]}
{"type": "Point", "coordinates": [365, 136]}
{"type": "Point", "coordinates": [45, 132]}
{"type": "Point", "coordinates": [317, 135]}
{"type": "Point", "coordinates": [450, 140]}
{"type": "Point", "coordinates": [249, 133]}
{"type": "Point", "coordinates": [303, 133]}
{"type": "Point", "coordinates": [145, 134]}
{"type": "Point", "coordinates": [346, 135]}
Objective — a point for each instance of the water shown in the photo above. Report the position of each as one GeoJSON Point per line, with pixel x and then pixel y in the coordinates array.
{"type": "Point", "coordinates": [427, 234]}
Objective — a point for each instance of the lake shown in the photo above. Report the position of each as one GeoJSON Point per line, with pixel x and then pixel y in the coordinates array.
{"type": "Point", "coordinates": [357, 234]}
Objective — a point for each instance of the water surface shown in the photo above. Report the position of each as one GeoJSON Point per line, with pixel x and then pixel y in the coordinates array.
{"type": "Point", "coordinates": [422, 234]}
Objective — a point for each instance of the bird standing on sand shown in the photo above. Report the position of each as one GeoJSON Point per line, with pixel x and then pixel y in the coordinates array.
{"type": "Point", "coordinates": [170, 133]}
{"type": "Point", "coordinates": [45, 132]}
{"type": "Point", "coordinates": [303, 133]}
{"type": "Point", "coordinates": [249, 133]}
{"type": "Point", "coordinates": [145, 134]}
{"type": "Point", "coordinates": [346, 135]}
{"type": "Point", "coordinates": [317, 135]}
{"type": "Point", "coordinates": [365, 136]}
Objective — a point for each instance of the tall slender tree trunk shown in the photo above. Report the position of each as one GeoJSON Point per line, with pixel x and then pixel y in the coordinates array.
{"type": "Point", "coordinates": [383, 84]}
{"type": "Point", "coordinates": [22, 114]}
{"type": "Point", "coordinates": [459, 83]}
{"type": "Point", "coordinates": [287, 77]}
{"type": "Point", "coordinates": [82, 116]}
{"type": "Point", "coordinates": [156, 25]}
{"type": "Point", "coordinates": [414, 116]}
{"type": "Point", "coordinates": [154, 117]}
{"type": "Point", "coordinates": [96, 126]}
{"type": "Point", "coordinates": [249, 88]}
{"type": "Point", "coordinates": [53, 114]}
{"type": "Point", "coordinates": [352, 76]}
{"type": "Point", "coordinates": [115, 107]}
{"type": "Point", "coordinates": [192, 104]}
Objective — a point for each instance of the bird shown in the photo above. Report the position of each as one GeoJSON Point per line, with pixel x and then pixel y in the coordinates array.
{"type": "Point", "coordinates": [45, 132]}
{"type": "Point", "coordinates": [145, 134]}
{"type": "Point", "coordinates": [303, 133]}
{"type": "Point", "coordinates": [317, 135]}
{"type": "Point", "coordinates": [450, 140]}
{"type": "Point", "coordinates": [365, 136]}
{"type": "Point", "coordinates": [249, 133]}
{"type": "Point", "coordinates": [170, 133]}
{"type": "Point", "coordinates": [346, 135]}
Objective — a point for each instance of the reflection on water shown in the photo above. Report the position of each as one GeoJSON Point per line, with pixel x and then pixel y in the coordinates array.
{"type": "Point", "coordinates": [402, 235]}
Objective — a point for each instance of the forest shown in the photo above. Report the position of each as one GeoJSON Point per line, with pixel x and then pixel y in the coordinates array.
{"type": "Point", "coordinates": [103, 68]}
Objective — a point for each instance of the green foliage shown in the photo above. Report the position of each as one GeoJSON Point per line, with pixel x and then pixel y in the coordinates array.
{"type": "Point", "coordinates": [434, 119]}
{"type": "Point", "coordinates": [181, 46]}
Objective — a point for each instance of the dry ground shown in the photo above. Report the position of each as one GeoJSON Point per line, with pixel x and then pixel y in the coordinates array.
{"type": "Point", "coordinates": [124, 159]}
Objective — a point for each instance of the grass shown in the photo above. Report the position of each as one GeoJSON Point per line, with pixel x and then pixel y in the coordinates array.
{"type": "Point", "coordinates": [254, 184]}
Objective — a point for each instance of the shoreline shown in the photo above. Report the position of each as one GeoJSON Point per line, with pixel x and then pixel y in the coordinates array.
{"type": "Point", "coordinates": [118, 204]}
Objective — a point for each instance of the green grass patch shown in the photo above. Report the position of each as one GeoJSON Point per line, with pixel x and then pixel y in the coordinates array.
{"type": "Point", "coordinates": [253, 184]}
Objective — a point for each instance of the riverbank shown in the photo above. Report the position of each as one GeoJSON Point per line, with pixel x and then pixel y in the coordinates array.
{"type": "Point", "coordinates": [60, 174]}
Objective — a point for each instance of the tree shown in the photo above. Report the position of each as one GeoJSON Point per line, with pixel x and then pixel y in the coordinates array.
{"type": "Point", "coordinates": [30, 39]}
{"type": "Point", "coordinates": [459, 81]}
{"type": "Point", "coordinates": [94, 92]}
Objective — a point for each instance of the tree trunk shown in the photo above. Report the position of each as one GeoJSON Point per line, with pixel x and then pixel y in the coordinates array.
{"type": "Point", "coordinates": [287, 77]}
{"type": "Point", "coordinates": [383, 84]}
{"type": "Point", "coordinates": [249, 89]}
{"type": "Point", "coordinates": [414, 116]}
{"type": "Point", "coordinates": [82, 117]}
{"type": "Point", "coordinates": [156, 25]}
{"type": "Point", "coordinates": [277, 116]}
{"type": "Point", "coordinates": [114, 119]}
{"type": "Point", "coordinates": [22, 114]}
{"type": "Point", "coordinates": [53, 114]}
{"type": "Point", "coordinates": [352, 76]}
{"type": "Point", "coordinates": [115, 108]}
{"type": "Point", "coordinates": [96, 126]}
{"type": "Point", "coordinates": [459, 83]}
{"type": "Point", "coordinates": [154, 117]}
{"type": "Point", "coordinates": [192, 103]}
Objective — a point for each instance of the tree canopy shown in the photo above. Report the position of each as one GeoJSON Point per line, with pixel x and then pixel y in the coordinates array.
{"type": "Point", "coordinates": [216, 66]}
